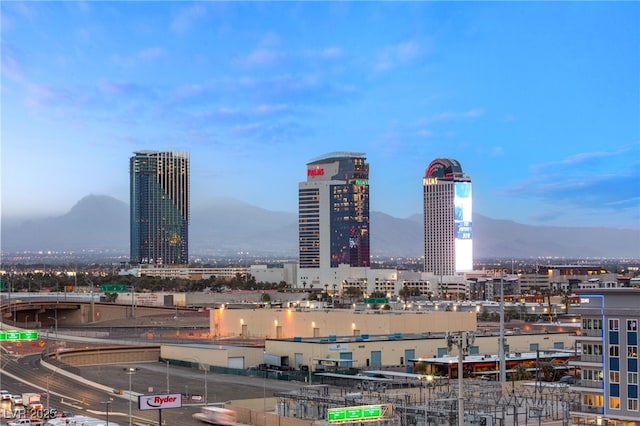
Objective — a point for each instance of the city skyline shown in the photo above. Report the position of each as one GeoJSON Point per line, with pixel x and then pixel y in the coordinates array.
{"type": "Point", "coordinates": [539, 101]}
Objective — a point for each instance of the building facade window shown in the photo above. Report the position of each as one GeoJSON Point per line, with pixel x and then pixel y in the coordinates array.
{"type": "Point", "coordinates": [632, 404]}
{"type": "Point", "coordinates": [594, 375]}
{"type": "Point", "coordinates": [614, 324]}
{"type": "Point", "coordinates": [632, 351]}
{"type": "Point", "coordinates": [632, 378]}
{"type": "Point", "coordinates": [592, 324]}
{"type": "Point", "coordinates": [614, 351]}
{"type": "Point", "coordinates": [592, 349]}
{"type": "Point", "coordinates": [614, 376]}
{"type": "Point", "coordinates": [614, 403]}
{"type": "Point", "coordinates": [632, 325]}
{"type": "Point", "coordinates": [593, 400]}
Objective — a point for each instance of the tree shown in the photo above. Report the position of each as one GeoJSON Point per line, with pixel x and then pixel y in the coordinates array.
{"type": "Point", "coordinates": [520, 372]}
{"type": "Point", "coordinates": [352, 292]}
{"type": "Point", "coordinates": [404, 293]}
{"type": "Point", "coordinates": [110, 297]}
{"type": "Point", "coordinates": [566, 299]}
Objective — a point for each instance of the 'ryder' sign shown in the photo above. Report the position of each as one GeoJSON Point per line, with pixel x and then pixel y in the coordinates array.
{"type": "Point", "coordinates": [157, 402]}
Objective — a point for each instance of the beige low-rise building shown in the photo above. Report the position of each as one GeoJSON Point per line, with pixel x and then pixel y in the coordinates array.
{"type": "Point", "coordinates": [397, 350]}
{"type": "Point", "coordinates": [285, 323]}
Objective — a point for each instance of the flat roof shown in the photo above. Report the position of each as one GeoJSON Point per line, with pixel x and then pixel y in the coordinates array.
{"type": "Point", "coordinates": [517, 356]}
{"type": "Point", "coordinates": [354, 377]}
{"type": "Point", "coordinates": [332, 340]}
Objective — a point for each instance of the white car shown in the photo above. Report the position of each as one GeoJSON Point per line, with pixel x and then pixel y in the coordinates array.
{"type": "Point", "coordinates": [16, 399]}
{"type": "Point", "coordinates": [5, 395]}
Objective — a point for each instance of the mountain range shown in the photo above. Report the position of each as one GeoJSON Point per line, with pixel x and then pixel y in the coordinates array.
{"type": "Point", "coordinates": [227, 226]}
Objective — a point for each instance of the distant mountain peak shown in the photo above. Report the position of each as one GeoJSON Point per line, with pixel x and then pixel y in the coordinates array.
{"type": "Point", "coordinates": [226, 226]}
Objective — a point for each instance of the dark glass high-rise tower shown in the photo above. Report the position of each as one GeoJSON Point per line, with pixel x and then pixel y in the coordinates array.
{"type": "Point", "coordinates": [334, 212]}
{"type": "Point", "coordinates": [159, 207]}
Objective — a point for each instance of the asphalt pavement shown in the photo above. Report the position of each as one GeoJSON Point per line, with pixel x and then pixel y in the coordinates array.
{"type": "Point", "coordinates": [98, 388]}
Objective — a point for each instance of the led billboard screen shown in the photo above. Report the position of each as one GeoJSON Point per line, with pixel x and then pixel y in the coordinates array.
{"type": "Point", "coordinates": [462, 222]}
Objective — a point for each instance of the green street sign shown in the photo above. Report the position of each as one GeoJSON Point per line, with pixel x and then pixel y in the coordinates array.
{"type": "Point", "coordinates": [15, 335]}
{"type": "Point", "coordinates": [354, 413]}
{"type": "Point", "coordinates": [336, 415]}
{"type": "Point", "coordinates": [115, 288]}
{"type": "Point", "coordinates": [376, 300]}
{"type": "Point", "coordinates": [371, 411]}
{"type": "Point", "coordinates": [28, 335]}
{"type": "Point", "coordinates": [365, 412]}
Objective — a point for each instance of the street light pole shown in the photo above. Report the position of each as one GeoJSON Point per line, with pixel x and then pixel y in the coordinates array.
{"type": "Point", "coordinates": [130, 371]}
{"type": "Point", "coordinates": [462, 340]}
{"type": "Point", "coordinates": [130, 399]}
{"type": "Point", "coordinates": [501, 354]}
{"type": "Point", "coordinates": [107, 404]}
{"type": "Point", "coordinates": [206, 399]}
{"type": "Point", "coordinates": [264, 395]}
{"type": "Point", "coordinates": [167, 376]}
{"type": "Point", "coordinates": [56, 322]}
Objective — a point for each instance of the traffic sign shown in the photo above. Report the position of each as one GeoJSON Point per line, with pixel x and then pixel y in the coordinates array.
{"type": "Point", "coordinates": [16, 335]}
{"type": "Point", "coordinates": [361, 413]}
{"type": "Point", "coordinates": [115, 288]}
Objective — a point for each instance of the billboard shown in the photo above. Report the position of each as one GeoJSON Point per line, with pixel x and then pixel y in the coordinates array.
{"type": "Point", "coordinates": [462, 223]}
{"type": "Point", "coordinates": [157, 402]}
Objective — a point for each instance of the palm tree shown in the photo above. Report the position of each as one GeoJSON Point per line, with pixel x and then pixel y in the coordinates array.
{"type": "Point", "coordinates": [566, 299]}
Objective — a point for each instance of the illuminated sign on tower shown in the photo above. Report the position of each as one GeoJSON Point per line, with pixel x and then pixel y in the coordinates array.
{"type": "Point", "coordinates": [448, 243]}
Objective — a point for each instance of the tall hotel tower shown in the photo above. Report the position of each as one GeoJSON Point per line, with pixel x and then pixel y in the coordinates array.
{"type": "Point", "coordinates": [333, 216]}
{"type": "Point", "coordinates": [159, 207]}
{"type": "Point", "coordinates": [447, 219]}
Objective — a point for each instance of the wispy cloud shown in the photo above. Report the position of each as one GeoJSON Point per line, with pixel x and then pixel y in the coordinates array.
{"type": "Point", "coordinates": [271, 109]}
{"type": "Point", "coordinates": [142, 56]}
{"type": "Point", "coordinates": [328, 53]}
{"type": "Point", "coordinates": [11, 66]}
{"type": "Point", "coordinates": [269, 55]}
{"type": "Point", "coordinates": [151, 53]}
{"type": "Point", "coordinates": [602, 180]}
{"type": "Point", "coordinates": [260, 58]}
{"type": "Point", "coordinates": [188, 17]}
{"type": "Point", "coordinates": [398, 54]}
{"type": "Point", "coordinates": [583, 158]}
{"type": "Point", "coordinates": [452, 116]}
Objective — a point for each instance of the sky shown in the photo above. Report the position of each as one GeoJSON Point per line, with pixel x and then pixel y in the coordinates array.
{"type": "Point", "coordinates": [538, 101]}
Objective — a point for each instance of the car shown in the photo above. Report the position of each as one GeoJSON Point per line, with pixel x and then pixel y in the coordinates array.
{"type": "Point", "coordinates": [16, 399]}
{"type": "Point", "coordinates": [567, 380]}
{"type": "Point", "coordinates": [5, 395]}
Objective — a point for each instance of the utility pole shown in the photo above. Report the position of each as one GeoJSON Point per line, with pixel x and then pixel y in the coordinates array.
{"type": "Point", "coordinates": [463, 340]}
{"type": "Point", "coordinates": [503, 371]}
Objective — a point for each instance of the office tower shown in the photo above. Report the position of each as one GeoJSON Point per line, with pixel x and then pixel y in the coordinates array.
{"type": "Point", "coordinates": [447, 219]}
{"type": "Point", "coordinates": [159, 194]}
{"type": "Point", "coordinates": [334, 212]}
{"type": "Point", "coordinates": [607, 384]}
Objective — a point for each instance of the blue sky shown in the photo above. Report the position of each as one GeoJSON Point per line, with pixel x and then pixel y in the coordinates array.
{"type": "Point", "coordinates": [539, 101]}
